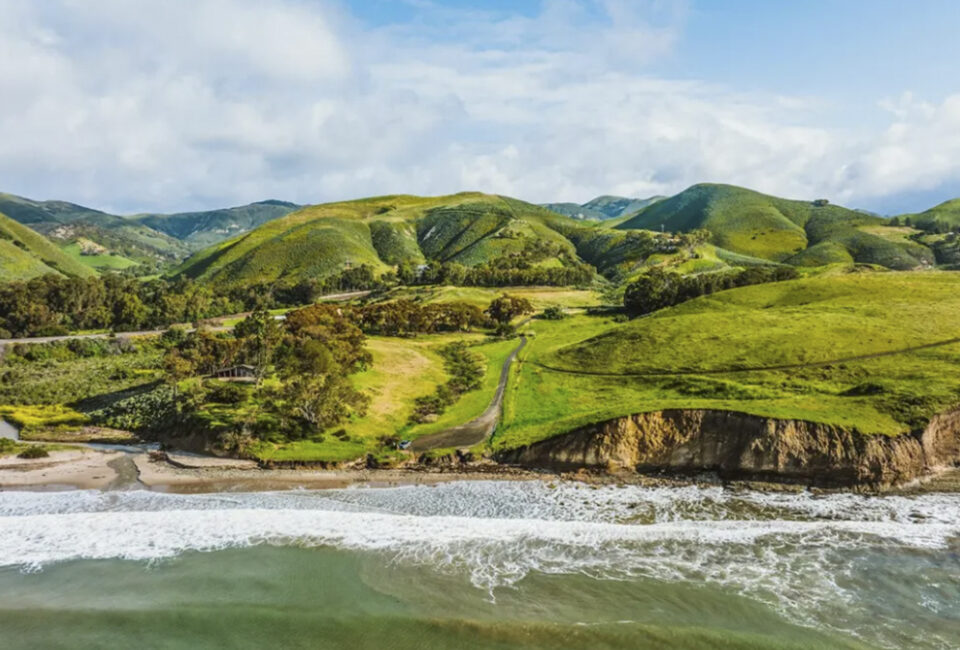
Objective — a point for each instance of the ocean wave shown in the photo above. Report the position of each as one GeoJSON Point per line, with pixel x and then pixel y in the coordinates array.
{"type": "Point", "coordinates": [810, 557]}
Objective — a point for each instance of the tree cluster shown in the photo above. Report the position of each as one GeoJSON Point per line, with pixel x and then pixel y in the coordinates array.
{"type": "Point", "coordinates": [504, 309]}
{"type": "Point", "coordinates": [53, 305]}
{"type": "Point", "coordinates": [658, 288]}
{"type": "Point", "coordinates": [405, 318]}
{"type": "Point", "coordinates": [308, 358]}
{"type": "Point", "coordinates": [465, 370]}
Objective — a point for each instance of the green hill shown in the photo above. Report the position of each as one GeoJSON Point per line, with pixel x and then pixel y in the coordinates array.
{"type": "Point", "coordinates": [127, 241]}
{"type": "Point", "coordinates": [205, 228]}
{"type": "Point", "coordinates": [938, 219]}
{"type": "Point", "coordinates": [868, 351]}
{"type": "Point", "coordinates": [69, 225]}
{"type": "Point", "coordinates": [602, 207]}
{"type": "Point", "coordinates": [781, 230]}
{"type": "Point", "coordinates": [316, 241]}
{"type": "Point", "coordinates": [25, 254]}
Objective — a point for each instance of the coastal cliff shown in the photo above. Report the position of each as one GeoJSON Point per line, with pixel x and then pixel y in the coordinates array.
{"type": "Point", "coordinates": [737, 445]}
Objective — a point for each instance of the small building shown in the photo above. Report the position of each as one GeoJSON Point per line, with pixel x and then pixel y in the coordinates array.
{"type": "Point", "coordinates": [241, 373]}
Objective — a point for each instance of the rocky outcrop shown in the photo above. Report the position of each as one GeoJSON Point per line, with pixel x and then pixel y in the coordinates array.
{"type": "Point", "coordinates": [740, 446]}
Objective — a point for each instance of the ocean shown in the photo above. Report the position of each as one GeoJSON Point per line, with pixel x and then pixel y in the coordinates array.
{"type": "Point", "coordinates": [487, 564]}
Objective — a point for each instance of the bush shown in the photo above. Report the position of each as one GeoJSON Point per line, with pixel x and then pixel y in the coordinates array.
{"type": "Point", "coordinates": [466, 374]}
{"type": "Point", "coordinates": [553, 312]}
{"type": "Point", "coordinates": [223, 392]}
{"type": "Point", "coordinates": [34, 451]}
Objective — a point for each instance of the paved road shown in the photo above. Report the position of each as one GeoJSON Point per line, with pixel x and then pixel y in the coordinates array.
{"type": "Point", "coordinates": [126, 335]}
{"type": "Point", "coordinates": [479, 429]}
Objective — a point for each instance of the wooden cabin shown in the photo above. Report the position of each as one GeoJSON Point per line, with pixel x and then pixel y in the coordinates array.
{"type": "Point", "coordinates": [241, 373]}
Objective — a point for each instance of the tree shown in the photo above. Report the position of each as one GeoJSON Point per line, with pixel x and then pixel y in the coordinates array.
{"type": "Point", "coordinates": [260, 334]}
{"type": "Point", "coordinates": [316, 392]}
{"type": "Point", "coordinates": [177, 367]}
{"type": "Point", "coordinates": [653, 290]}
{"type": "Point", "coordinates": [505, 308]}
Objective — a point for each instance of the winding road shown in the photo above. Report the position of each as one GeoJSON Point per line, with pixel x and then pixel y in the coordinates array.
{"type": "Point", "coordinates": [478, 429]}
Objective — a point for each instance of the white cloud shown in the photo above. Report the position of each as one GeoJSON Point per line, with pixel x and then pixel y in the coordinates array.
{"type": "Point", "coordinates": [158, 106]}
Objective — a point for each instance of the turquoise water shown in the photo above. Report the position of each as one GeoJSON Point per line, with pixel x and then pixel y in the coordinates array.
{"type": "Point", "coordinates": [482, 564]}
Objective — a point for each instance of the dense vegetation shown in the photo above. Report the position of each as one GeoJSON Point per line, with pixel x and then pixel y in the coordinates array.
{"type": "Point", "coordinates": [657, 288]}
{"type": "Point", "coordinates": [52, 305]}
{"type": "Point", "coordinates": [465, 370]}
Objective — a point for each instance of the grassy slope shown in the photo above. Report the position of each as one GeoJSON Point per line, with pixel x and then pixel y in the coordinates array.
{"type": "Point", "coordinates": [25, 254]}
{"type": "Point", "coordinates": [98, 262]}
{"type": "Point", "coordinates": [539, 297]}
{"type": "Point", "coordinates": [603, 207]}
{"type": "Point", "coordinates": [66, 222]}
{"type": "Point", "coordinates": [758, 225]}
{"type": "Point", "coordinates": [316, 241]}
{"type": "Point", "coordinates": [804, 321]}
{"type": "Point", "coordinates": [947, 213]}
{"type": "Point", "coordinates": [205, 228]}
{"type": "Point", "coordinates": [402, 370]}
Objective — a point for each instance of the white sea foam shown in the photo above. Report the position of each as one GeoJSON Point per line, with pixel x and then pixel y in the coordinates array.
{"type": "Point", "coordinates": [806, 555]}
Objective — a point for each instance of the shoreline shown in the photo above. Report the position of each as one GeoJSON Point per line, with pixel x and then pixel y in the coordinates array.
{"type": "Point", "coordinates": [85, 468]}
{"type": "Point", "coordinates": [94, 469]}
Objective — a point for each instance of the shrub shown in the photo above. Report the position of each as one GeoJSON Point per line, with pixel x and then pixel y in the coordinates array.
{"type": "Point", "coordinates": [553, 312]}
{"type": "Point", "coordinates": [34, 451]}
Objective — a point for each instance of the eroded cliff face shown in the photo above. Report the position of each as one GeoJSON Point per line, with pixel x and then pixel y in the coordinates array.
{"type": "Point", "coordinates": [738, 445]}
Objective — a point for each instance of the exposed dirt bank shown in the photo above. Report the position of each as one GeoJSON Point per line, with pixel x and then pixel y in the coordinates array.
{"type": "Point", "coordinates": [741, 446]}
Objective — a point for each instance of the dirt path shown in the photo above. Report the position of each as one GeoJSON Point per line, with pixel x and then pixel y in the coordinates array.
{"type": "Point", "coordinates": [725, 371]}
{"type": "Point", "coordinates": [478, 429]}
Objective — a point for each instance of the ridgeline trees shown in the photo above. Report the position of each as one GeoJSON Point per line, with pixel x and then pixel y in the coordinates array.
{"type": "Point", "coordinates": [658, 288]}
{"type": "Point", "coordinates": [53, 305]}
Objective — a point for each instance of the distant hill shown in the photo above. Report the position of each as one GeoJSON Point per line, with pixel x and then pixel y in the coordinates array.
{"type": "Point", "coordinates": [602, 207]}
{"type": "Point", "coordinates": [25, 254]}
{"type": "Point", "coordinates": [74, 226]}
{"type": "Point", "coordinates": [107, 241]}
{"type": "Point", "coordinates": [316, 241]}
{"type": "Point", "coordinates": [941, 218]}
{"type": "Point", "coordinates": [805, 233]}
{"type": "Point", "coordinates": [201, 229]}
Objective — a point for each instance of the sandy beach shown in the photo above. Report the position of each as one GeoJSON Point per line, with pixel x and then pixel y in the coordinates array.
{"type": "Point", "coordinates": [86, 468]}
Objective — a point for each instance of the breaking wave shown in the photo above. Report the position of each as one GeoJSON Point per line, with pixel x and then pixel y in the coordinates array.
{"type": "Point", "coordinates": [818, 560]}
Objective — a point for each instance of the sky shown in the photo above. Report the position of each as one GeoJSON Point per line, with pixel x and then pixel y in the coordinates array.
{"type": "Point", "coordinates": [142, 106]}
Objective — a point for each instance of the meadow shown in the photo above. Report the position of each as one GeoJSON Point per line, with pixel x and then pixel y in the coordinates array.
{"type": "Point", "coordinates": [716, 352]}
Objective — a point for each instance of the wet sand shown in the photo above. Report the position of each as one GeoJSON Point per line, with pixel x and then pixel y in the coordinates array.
{"type": "Point", "coordinates": [96, 469]}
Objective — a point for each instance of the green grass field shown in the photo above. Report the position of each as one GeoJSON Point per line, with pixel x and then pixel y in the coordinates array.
{"type": "Point", "coordinates": [539, 297]}
{"type": "Point", "coordinates": [98, 262]}
{"type": "Point", "coordinates": [402, 370]}
{"type": "Point", "coordinates": [707, 353]}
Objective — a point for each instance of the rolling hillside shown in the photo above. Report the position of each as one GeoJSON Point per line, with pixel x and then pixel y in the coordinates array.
{"type": "Point", "coordinates": [602, 207]}
{"type": "Point", "coordinates": [781, 230]}
{"type": "Point", "coordinates": [941, 218]}
{"type": "Point", "coordinates": [876, 352]}
{"type": "Point", "coordinates": [25, 254]}
{"type": "Point", "coordinates": [200, 229]}
{"type": "Point", "coordinates": [467, 228]}
{"type": "Point", "coordinates": [107, 241]}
